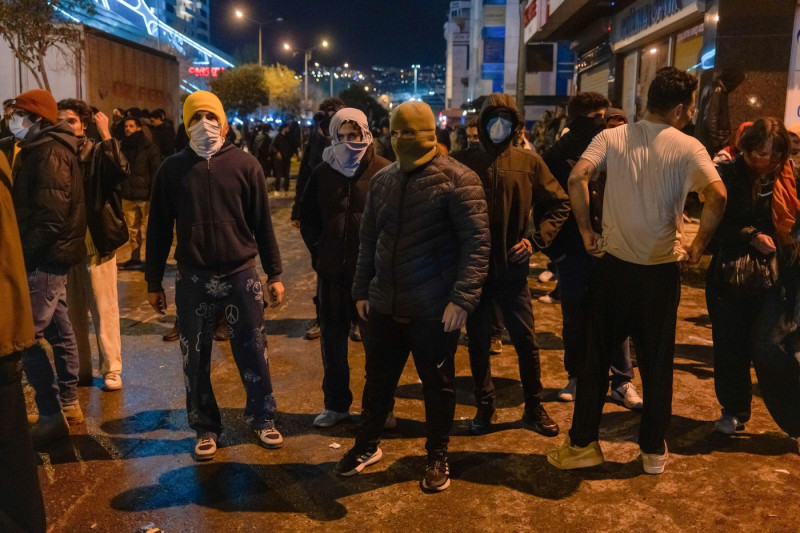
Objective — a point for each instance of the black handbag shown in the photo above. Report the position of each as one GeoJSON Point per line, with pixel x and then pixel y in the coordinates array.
{"type": "Point", "coordinates": [744, 271]}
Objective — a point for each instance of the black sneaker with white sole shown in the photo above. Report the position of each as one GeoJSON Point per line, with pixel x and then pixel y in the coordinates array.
{"type": "Point", "coordinates": [437, 475]}
{"type": "Point", "coordinates": [355, 461]}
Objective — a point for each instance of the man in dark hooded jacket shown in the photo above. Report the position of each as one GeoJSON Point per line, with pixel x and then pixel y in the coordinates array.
{"type": "Point", "coordinates": [48, 199]}
{"type": "Point", "coordinates": [575, 266]}
{"type": "Point", "coordinates": [515, 180]}
{"type": "Point", "coordinates": [713, 127]}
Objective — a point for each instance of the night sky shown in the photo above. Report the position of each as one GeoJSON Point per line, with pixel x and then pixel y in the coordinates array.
{"type": "Point", "coordinates": [361, 32]}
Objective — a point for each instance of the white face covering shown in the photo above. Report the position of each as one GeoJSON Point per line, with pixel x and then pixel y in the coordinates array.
{"type": "Point", "coordinates": [205, 138]}
{"type": "Point", "coordinates": [499, 129]}
{"type": "Point", "coordinates": [19, 126]}
{"type": "Point", "coordinates": [346, 156]}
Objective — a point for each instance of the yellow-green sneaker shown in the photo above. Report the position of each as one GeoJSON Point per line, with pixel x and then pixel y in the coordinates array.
{"type": "Point", "coordinates": [567, 456]}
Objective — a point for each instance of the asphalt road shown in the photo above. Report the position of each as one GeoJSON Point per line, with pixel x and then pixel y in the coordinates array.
{"type": "Point", "coordinates": [131, 464]}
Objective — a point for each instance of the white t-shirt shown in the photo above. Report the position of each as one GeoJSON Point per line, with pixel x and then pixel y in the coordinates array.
{"type": "Point", "coordinates": [651, 167]}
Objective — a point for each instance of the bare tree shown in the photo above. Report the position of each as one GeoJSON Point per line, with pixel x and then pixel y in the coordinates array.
{"type": "Point", "coordinates": [33, 27]}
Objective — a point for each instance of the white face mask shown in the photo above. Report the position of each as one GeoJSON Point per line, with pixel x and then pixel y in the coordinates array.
{"type": "Point", "coordinates": [205, 138]}
{"type": "Point", "coordinates": [499, 129]}
{"type": "Point", "coordinates": [19, 126]}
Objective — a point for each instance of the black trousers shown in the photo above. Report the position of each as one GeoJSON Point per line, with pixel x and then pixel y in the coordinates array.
{"type": "Point", "coordinates": [387, 344]}
{"type": "Point", "coordinates": [575, 273]}
{"type": "Point", "coordinates": [640, 301]}
{"type": "Point", "coordinates": [200, 299]}
{"type": "Point", "coordinates": [743, 330]}
{"type": "Point", "coordinates": [21, 504]}
{"type": "Point", "coordinates": [282, 169]}
{"type": "Point", "coordinates": [337, 311]}
{"type": "Point", "coordinates": [514, 300]}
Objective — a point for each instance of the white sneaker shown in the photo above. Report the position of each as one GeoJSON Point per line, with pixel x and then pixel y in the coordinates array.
{"type": "Point", "coordinates": [626, 395]}
{"type": "Point", "coordinates": [269, 437]}
{"type": "Point", "coordinates": [112, 381]}
{"type": "Point", "coordinates": [547, 299]}
{"type": "Point", "coordinates": [654, 463]}
{"type": "Point", "coordinates": [567, 394]}
{"type": "Point", "coordinates": [546, 276]}
{"type": "Point", "coordinates": [728, 424]}
{"type": "Point", "coordinates": [205, 449]}
{"type": "Point", "coordinates": [328, 418]}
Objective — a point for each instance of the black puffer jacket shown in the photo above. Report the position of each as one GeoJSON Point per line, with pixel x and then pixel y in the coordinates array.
{"type": "Point", "coordinates": [104, 170]}
{"type": "Point", "coordinates": [144, 159]}
{"type": "Point", "coordinates": [312, 156]}
{"type": "Point", "coordinates": [330, 216]}
{"type": "Point", "coordinates": [516, 182]}
{"type": "Point", "coordinates": [48, 199]}
{"type": "Point", "coordinates": [424, 241]}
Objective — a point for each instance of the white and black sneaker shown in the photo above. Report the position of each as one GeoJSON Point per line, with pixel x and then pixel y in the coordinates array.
{"type": "Point", "coordinates": [437, 475]}
{"type": "Point", "coordinates": [355, 461]}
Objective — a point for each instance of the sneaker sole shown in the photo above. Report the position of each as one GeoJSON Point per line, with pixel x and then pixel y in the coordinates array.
{"type": "Point", "coordinates": [345, 419]}
{"type": "Point", "coordinates": [440, 488]}
{"type": "Point", "coordinates": [566, 398]}
{"type": "Point", "coordinates": [377, 456]}
{"type": "Point", "coordinates": [202, 458]}
{"type": "Point", "coordinates": [270, 446]}
{"type": "Point", "coordinates": [583, 463]}
{"type": "Point", "coordinates": [112, 388]}
{"type": "Point", "coordinates": [623, 403]}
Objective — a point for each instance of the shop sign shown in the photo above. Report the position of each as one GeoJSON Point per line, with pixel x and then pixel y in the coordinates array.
{"type": "Point", "coordinates": [646, 17]}
{"type": "Point", "coordinates": [206, 72]}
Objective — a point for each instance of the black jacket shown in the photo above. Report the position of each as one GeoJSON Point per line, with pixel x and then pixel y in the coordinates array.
{"type": "Point", "coordinates": [516, 181]}
{"type": "Point", "coordinates": [104, 170]}
{"type": "Point", "coordinates": [424, 241]}
{"type": "Point", "coordinates": [164, 138]}
{"type": "Point", "coordinates": [48, 199]}
{"type": "Point", "coordinates": [560, 158]}
{"type": "Point", "coordinates": [312, 156]}
{"type": "Point", "coordinates": [330, 217]}
{"type": "Point", "coordinates": [221, 215]}
{"type": "Point", "coordinates": [144, 159]}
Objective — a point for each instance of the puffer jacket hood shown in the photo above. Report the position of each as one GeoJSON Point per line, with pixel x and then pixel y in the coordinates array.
{"type": "Point", "coordinates": [495, 103]}
{"type": "Point", "coordinates": [39, 134]}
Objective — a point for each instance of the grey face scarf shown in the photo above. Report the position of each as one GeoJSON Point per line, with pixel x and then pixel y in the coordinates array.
{"type": "Point", "coordinates": [344, 156]}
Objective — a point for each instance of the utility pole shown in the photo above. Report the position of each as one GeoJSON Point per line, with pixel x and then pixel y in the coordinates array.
{"type": "Point", "coordinates": [416, 68]}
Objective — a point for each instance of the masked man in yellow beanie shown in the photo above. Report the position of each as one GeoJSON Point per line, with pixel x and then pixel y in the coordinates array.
{"type": "Point", "coordinates": [51, 214]}
{"type": "Point", "coordinates": [216, 196]}
{"type": "Point", "coordinates": [422, 262]}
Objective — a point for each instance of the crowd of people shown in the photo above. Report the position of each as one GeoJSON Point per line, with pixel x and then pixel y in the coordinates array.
{"type": "Point", "coordinates": [410, 246]}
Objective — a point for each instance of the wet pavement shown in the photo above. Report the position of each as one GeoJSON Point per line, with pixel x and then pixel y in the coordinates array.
{"type": "Point", "coordinates": [131, 463]}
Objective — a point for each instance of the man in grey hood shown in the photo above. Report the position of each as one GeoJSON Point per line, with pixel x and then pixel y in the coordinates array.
{"type": "Point", "coordinates": [48, 199]}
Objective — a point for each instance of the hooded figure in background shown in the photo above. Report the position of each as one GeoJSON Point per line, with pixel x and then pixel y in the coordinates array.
{"type": "Point", "coordinates": [215, 195]}
{"type": "Point", "coordinates": [330, 219]}
{"type": "Point", "coordinates": [713, 127]}
{"type": "Point", "coordinates": [515, 181]}
{"type": "Point", "coordinates": [421, 264]}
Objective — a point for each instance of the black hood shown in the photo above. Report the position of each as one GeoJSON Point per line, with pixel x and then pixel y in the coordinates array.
{"type": "Point", "coordinates": [496, 103]}
{"type": "Point", "coordinates": [41, 133]}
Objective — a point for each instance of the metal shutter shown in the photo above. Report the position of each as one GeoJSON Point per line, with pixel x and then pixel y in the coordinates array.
{"type": "Point", "coordinates": [595, 80]}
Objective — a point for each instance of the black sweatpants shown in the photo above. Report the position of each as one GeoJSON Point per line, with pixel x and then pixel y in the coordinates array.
{"type": "Point", "coordinates": [514, 300]}
{"type": "Point", "coordinates": [387, 344]}
{"type": "Point", "coordinates": [337, 310]}
{"type": "Point", "coordinates": [199, 299]}
{"type": "Point", "coordinates": [21, 504]}
{"type": "Point", "coordinates": [640, 301]}
{"type": "Point", "coordinates": [743, 329]}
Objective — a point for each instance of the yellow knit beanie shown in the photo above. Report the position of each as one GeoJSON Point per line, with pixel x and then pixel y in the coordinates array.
{"type": "Point", "coordinates": [204, 101]}
{"type": "Point", "coordinates": [420, 149]}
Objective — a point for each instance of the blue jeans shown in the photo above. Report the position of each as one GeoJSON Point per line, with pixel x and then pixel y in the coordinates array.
{"type": "Point", "coordinates": [51, 322]}
{"type": "Point", "coordinates": [200, 298]}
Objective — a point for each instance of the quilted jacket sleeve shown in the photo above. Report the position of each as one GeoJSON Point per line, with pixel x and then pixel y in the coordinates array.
{"type": "Point", "coordinates": [365, 267]}
{"type": "Point", "coordinates": [469, 216]}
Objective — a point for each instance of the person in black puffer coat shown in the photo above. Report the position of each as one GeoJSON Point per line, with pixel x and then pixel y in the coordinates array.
{"type": "Point", "coordinates": [49, 202]}
{"type": "Point", "coordinates": [516, 182]}
{"type": "Point", "coordinates": [330, 219]}
{"type": "Point", "coordinates": [144, 159]}
{"type": "Point", "coordinates": [92, 284]}
{"type": "Point", "coordinates": [422, 261]}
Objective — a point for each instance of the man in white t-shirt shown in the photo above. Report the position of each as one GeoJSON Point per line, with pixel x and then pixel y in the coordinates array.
{"type": "Point", "coordinates": [651, 167]}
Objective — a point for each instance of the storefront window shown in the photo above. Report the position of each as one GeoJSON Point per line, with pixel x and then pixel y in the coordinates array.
{"type": "Point", "coordinates": [651, 58]}
{"type": "Point", "coordinates": [688, 48]}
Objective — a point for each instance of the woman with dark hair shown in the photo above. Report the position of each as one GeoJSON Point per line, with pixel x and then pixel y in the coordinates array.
{"type": "Point", "coordinates": [750, 288]}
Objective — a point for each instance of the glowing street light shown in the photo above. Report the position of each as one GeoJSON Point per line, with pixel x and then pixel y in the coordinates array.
{"type": "Point", "coordinates": [240, 14]}
{"type": "Point", "coordinates": [307, 57]}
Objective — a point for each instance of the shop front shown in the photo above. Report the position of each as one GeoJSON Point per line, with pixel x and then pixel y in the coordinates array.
{"type": "Point", "coordinates": [650, 35]}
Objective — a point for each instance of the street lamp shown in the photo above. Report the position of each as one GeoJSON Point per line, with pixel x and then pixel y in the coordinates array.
{"type": "Point", "coordinates": [307, 58]}
{"type": "Point", "coordinates": [416, 68]}
{"type": "Point", "coordinates": [240, 14]}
